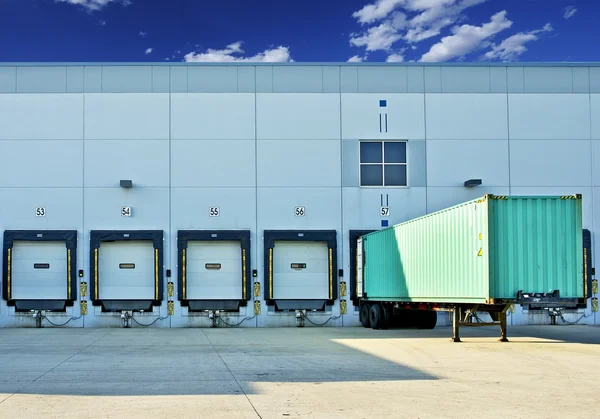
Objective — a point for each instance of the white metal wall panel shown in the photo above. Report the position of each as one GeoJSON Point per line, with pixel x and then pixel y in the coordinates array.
{"type": "Point", "coordinates": [37, 163]}
{"type": "Point", "coordinates": [362, 207]}
{"type": "Point", "coordinates": [595, 115]}
{"type": "Point", "coordinates": [439, 198]}
{"type": "Point", "coordinates": [454, 116]}
{"type": "Point", "coordinates": [551, 163]}
{"type": "Point", "coordinates": [311, 282]}
{"type": "Point", "coordinates": [549, 116]}
{"type": "Point", "coordinates": [300, 163]}
{"type": "Point", "coordinates": [31, 283]}
{"type": "Point", "coordinates": [63, 208]}
{"type": "Point", "coordinates": [116, 283]}
{"type": "Point", "coordinates": [276, 208]}
{"type": "Point", "coordinates": [146, 163]}
{"type": "Point", "coordinates": [149, 209]}
{"type": "Point", "coordinates": [212, 116]}
{"type": "Point", "coordinates": [296, 116]}
{"type": "Point", "coordinates": [190, 208]}
{"type": "Point", "coordinates": [46, 116]}
{"type": "Point", "coordinates": [126, 116]}
{"type": "Point", "coordinates": [361, 116]}
{"type": "Point", "coordinates": [451, 162]}
{"type": "Point", "coordinates": [595, 157]}
{"type": "Point", "coordinates": [213, 163]}
{"type": "Point", "coordinates": [224, 283]}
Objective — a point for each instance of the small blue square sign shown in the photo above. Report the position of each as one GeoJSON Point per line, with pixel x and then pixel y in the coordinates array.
{"type": "Point", "coordinates": [382, 103]}
{"type": "Point", "coordinates": [384, 223]}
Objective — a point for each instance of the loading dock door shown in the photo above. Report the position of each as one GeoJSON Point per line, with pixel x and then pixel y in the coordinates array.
{"type": "Point", "coordinates": [126, 270]}
{"type": "Point", "coordinates": [214, 270]}
{"type": "Point", "coordinates": [39, 270]}
{"type": "Point", "coordinates": [301, 270]}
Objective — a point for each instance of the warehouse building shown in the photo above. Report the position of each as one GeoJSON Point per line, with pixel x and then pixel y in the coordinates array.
{"type": "Point", "coordinates": [197, 195]}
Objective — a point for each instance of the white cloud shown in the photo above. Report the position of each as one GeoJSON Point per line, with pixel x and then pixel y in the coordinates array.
{"type": "Point", "coordinates": [569, 12]}
{"type": "Point", "coordinates": [380, 37]}
{"type": "Point", "coordinates": [149, 51]}
{"type": "Point", "coordinates": [374, 12]}
{"type": "Point", "coordinates": [143, 34]}
{"type": "Point", "coordinates": [94, 5]}
{"type": "Point", "coordinates": [466, 39]}
{"type": "Point", "coordinates": [409, 20]}
{"type": "Point", "coordinates": [514, 45]}
{"type": "Point", "coordinates": [355, 59]}
{"type": "Point", "coordinates": [232, 53]}
{"type": "Point", "coordinates": [102, 23]}
{"type": "Point", "coordinates": [395, 58]}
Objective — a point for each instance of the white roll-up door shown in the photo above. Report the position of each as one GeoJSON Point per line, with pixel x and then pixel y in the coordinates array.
{"type": "Point", "coordinates": [39, 270]}
{"type": "Point", "coordinates": [126, 270]}
{"type": "Point", "coordinates": [300, 270]}
{"type": "Point", "coordinates": [214, 270]}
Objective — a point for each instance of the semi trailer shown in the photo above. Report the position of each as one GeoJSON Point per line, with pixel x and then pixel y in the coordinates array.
{"type": "Point", "coordinates": [484, 255]}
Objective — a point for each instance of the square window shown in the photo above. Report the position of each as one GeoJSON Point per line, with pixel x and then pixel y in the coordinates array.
{"type": "Point", "coordinates": [395, 152]}
{"type": "Point", "coordinates": [371, 175]}
{"type": "Point", "coordinates": [382, 103]}
{"type": "Point", "coordinates": [370, 152]}
{"type": "Point", "coordinates": [395, 175]}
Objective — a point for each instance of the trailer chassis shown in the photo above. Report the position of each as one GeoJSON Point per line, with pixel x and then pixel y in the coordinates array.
{"type": "Point", "coordinates": [464, 314]}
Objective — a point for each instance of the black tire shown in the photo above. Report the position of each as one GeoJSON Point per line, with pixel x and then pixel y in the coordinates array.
{"type": "Point", "coordinates": [427, 319]}
{"type": "Point", "coordinates": [375, 316]}
{"type": "Point", "coordinates": [364, 315]}
{"type": "Point", "coordinates": [386, 316]}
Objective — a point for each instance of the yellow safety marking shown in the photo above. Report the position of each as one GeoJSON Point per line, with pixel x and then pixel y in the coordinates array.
{"type": "Point", "coordinates": [480, 253]}
{"type": "Point", "coordinates": [343, 307]}
{"type": "Point", "coordinates": [257, 307]}
{"type": "Point", "coordinates": [595, 286]}
{"type": "Point", "coordinates": [170, 308]}
{"type": "Point", "coordinates": [595, 305]}
{"type": "Point", "coordinates": [170, 289]}
{"type": "Point", "coordinates": [330, 273]}
{"type": "Point", "coordinates": [96, 273]}
{"type": "Point", "coordinates": [83, 289]}
{"type": "Point", "coordinates": [68, 273]}
{"type": "Point", "coordinates": [244, 274]}
{"type": "Point", "coordinates": [257, 289]}
{"type": "Point", "coordinates": [342, 289]}
{"type": "Point", "coordinates": [183, 291]}
{"type": "Point", "coordinates": [480, 236]}
{"type": "Point", "coordinates": [499, 197]}
{"type": "Point", "coordinates": [8, 273]}
{"type": "Point", "coordinates": [83, 308]}
{"type": "Point", "coordinates": [156, 274]}
{"type": "Point", "coordinates": [569, 197]}
{"type": "Point", "coordinates": [271, 273]}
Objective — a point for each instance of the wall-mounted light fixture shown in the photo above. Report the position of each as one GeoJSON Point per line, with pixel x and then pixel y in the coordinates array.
{"type": "Point", "coordinates": [471, 183]}
{"type": "Point", "coordinates": [126, 183]}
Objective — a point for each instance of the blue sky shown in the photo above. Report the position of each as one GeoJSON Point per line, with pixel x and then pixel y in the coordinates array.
{"type": "Point", "coordinates": [299, 30]}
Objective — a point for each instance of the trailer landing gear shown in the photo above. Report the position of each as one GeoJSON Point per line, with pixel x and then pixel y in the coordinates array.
{"type": "Point", "coordinates": [498, 318]}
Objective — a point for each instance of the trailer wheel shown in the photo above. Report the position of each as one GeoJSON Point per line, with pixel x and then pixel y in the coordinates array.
{"type": "Point", "coordinates": [375, 317]}
{"type": "Point", "coordinates": [364, 315]}
{"type": "Point", "coordinates": [386, 316]}
{"type": "Point", "coordinates": [427, 319]}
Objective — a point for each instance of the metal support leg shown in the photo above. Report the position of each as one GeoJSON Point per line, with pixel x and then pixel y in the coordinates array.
{"type": "Point", "coordinates": [503, 326]}
{"type": "Point", "coordinates": [455, 324]}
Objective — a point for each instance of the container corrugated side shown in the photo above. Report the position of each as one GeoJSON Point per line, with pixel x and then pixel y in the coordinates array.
{"type": "Point", "coordinates": [536, 245]}
{"type": "Point", "coordinates": [432, 258]}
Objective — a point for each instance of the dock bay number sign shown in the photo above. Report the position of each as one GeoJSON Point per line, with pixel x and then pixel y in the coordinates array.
{"type": "Point", "coordinates": [125, 211]}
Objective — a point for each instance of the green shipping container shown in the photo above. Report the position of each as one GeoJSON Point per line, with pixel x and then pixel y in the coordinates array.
{"type": "Point", "coordinates": [477, 252]}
